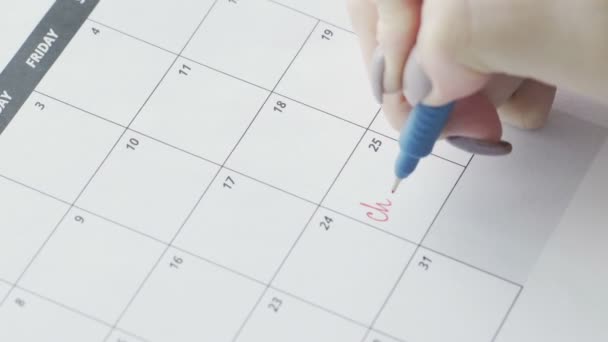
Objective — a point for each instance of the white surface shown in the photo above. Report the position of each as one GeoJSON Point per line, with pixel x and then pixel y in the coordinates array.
{"type": "Point", "coordinates": [504, 209]}
{"type": "Point", "coordinates": [583, 108]}
{"type": "Point", "coordinates": [565, 299]}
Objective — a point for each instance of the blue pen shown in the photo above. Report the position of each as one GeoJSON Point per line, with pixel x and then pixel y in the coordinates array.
{"type": "Point", "coordinates": [418, 137]}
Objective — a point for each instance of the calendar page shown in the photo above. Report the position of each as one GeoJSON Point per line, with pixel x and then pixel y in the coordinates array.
{"type": "Point", "coordinates": [217, 170]}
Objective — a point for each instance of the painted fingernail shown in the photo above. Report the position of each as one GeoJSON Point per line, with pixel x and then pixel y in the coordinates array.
{"type": "Point", "coordinates": [416, 83]}
{"type": "Point", "coordinates": [481, 147]}
{"type": "Point", "coordinates": [377, 67]}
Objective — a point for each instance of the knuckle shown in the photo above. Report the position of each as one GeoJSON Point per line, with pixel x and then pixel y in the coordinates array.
{"type": "Point", "coordinates": [445, 26]}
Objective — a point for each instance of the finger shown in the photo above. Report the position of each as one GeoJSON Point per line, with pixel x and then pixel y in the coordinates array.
{"type": "Point", "coordinates": [396, 110]}
{"type": "Point", "coordinates": [529, 106]}
{"type": "Point", "coordinates": [474, 117]}
{"type": "Point", "coordinates": [364, 19]}
{"type": "Point", "coordinates": [397, 28]}
{"type": "Point", "coordinates": [501, 88]}
{"type": "Point", "coordinates": [526, 38]}
{"type": "Point", "coordinates": [444, 31]}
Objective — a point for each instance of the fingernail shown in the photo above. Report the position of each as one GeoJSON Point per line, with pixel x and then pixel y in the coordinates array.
{"type": "Point", "coordinates": [416, 83]}
{"type": "Point", "coordinates": [377, 67]}
{"type": "Point", "coordinates": [481, 147]}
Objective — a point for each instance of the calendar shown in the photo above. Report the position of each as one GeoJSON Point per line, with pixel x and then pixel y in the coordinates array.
{"type": "Point", "coordinates": [217, 170]}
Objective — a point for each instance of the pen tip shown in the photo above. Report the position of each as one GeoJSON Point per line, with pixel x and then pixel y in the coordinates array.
{"type": "Point", "coordinates": [396, 185]}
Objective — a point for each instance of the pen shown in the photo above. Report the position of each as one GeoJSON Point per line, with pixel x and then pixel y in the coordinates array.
{"type": "Point", "coordinates": [418, 137]}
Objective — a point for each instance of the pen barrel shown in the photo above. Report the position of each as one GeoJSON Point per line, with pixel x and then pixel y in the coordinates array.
{"type": "Point", "coordinates": [405, 165]}
{"type": "Point", "coordinates": [423, 128]}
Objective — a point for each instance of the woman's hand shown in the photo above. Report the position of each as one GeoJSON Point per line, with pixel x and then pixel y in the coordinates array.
{"type": "Point", "coordinates": [498, 57]}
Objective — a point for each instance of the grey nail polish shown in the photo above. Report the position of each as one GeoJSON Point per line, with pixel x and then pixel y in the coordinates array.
{"type": "Point", "coordinates": [416, 83]}
{"type": "Point", "coordinates": [481, 147]}
{"type": "Point", "coordinates": [377, 68]}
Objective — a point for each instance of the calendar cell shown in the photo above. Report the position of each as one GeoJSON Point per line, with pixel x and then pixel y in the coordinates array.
{"type": "Point", "coordinates": [338, 259]}
{"type": "Point", "coordinates": [329, 61]}
{"type": "Point", "coordinates": [68, 147]}
{"type": "Point", "coordinates": [25, 318]}
{"type": "Point", "coordinates": [92, 265]}
{"type": "Point", "coordinates": [235, 40]}
{"type": "Point", "coordinates": [280, 317]}
{"type": "Point", "coordinates": [363, 190]}
{"type": "Point", "coordinates": [187, 299]}
{"type": "Point", "coordinates": [185, 15]}
{"type": "Point", "coordinates": [439, 299]}
{"type": "Point", "coordinates": [27, 220]}
{"type": "Point", "coordinates": [255, 241]}
{"type": "Point", "coordinates": [274, 152]}
{"type": "Point", "coordinates": [442, 148]}
{"type": "Point", "coordinates": [333, 12]}
{"type": "Point", "coordinates": [195, 109]}
{"type": "Point", "coordinates": [148, 186]}
{"type": "Point", "coordinates": [106, 73]}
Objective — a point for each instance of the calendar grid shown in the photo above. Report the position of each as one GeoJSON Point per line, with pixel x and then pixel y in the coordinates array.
{"type": "Point", "coordinates": [420, 246]}
{"type": "Point", "coordinates": [185, 251]}
{"type": "Point", "coordinates": [72, 204]}
{"type": "Point", "coordinates": [301, 233]}
{"type": "Point", "coordinates": [407, 265]}
{"type": "Point", "coordinates": [167, 246]}
{"type": "Point", "coordinates": [242, 80]}
{"type": "Point", "coordinates": [213, 180]}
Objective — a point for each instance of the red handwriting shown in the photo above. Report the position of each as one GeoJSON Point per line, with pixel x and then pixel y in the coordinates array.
{"type": "Point", "coordinates": [379, 211]}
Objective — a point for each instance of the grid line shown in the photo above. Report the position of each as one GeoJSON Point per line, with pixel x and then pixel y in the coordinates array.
{"type": "Point", "coordinates": [507, 314]}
